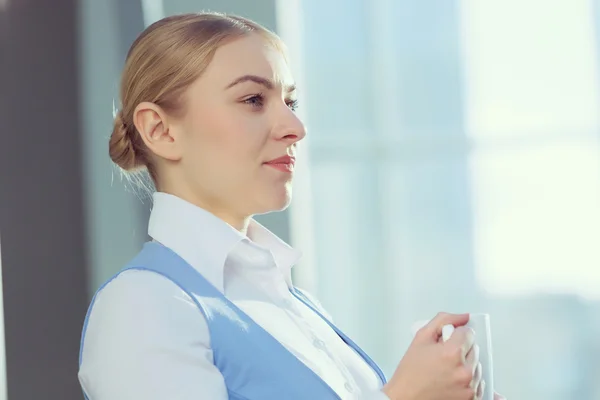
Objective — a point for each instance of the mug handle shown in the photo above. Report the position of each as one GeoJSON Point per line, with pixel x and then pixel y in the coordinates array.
{"type": "Point", "coordinates": [447, 331]}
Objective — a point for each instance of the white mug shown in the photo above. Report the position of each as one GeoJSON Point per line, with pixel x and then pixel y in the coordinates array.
{"type": "Point", "coordinates": [480, 323]}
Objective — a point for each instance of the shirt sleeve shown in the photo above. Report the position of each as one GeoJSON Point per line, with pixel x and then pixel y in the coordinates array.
{"type": "Point", "coordinates": [146, 339]}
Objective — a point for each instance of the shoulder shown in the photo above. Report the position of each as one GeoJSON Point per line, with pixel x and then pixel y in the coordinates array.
{"type": "Point", "coordinates": [138, 290]}
{"type": "Point", "coordinates": [145, 338]}
{"type": "Point", "coordinates": [141, 306]}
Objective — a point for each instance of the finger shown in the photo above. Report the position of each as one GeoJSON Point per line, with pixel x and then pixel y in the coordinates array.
{"type": "Point", "coordinates": [476, 390]}
{"type": "Point", "coordinates": [477, 375]}
{"type": "Point", "coordinates": [472, 358]}
{"type": "Point", "coordinates": [463, 337]}
{"type": "Point", "coordinates": [434, 328]}
{"type": "Point", "coordinates": [499, 397]}
{"type": "Point", "coordinates": [480, 390]}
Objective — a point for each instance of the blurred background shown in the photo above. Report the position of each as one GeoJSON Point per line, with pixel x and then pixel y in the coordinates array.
{"type": "Point", "coordinates": [452, 163]}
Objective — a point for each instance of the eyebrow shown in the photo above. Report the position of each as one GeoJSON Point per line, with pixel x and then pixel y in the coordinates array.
{"type": "Point", "coordinates": [261, 81]}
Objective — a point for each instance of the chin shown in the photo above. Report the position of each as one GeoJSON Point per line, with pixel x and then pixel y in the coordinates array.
{"type": "Point", "coordinates": [276, 201]}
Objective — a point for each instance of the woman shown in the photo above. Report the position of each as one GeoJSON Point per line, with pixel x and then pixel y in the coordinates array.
{"type": "Point", "coordinates": [207, 310]}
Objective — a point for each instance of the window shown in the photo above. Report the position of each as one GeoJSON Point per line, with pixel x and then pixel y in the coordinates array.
{"type": "Point", "coordinates": [455, 165]}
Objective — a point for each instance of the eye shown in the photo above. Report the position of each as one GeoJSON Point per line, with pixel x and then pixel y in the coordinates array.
{"type": "Point", "coordinates": [292, 104]}
{"type": "Point", "coordinates": [256, 101]}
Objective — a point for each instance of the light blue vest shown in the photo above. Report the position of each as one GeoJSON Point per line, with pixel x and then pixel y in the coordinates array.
{"type": "Point", "coordinates": [254, 364]}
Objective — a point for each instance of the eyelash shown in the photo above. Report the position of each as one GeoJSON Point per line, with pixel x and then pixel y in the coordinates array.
{"type": "Point", "coordinates": [257, 101]}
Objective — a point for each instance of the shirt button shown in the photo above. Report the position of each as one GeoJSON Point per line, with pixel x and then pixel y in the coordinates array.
{"type": "Point", "coordinates": [348, 387]}
{"type": "Point", "coordinates": [319, 344]}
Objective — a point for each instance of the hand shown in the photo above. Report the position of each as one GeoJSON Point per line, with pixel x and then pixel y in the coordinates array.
{"type": "Point", "coordinates": [433, 370]}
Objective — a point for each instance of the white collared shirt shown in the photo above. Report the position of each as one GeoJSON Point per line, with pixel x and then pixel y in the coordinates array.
{"type": "Point", "coordinates": [147, 340]}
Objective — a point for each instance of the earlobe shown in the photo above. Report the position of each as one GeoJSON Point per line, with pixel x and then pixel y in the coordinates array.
{"type": "Point", "coordinates": [152, 123]}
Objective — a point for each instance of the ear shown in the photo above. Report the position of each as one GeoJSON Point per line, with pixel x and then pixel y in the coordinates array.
{"type": "Point", "coordinates": [153, 125]}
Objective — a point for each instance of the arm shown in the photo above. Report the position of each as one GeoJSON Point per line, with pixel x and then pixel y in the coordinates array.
{"type": "Point", "coordinates": [146, 340]}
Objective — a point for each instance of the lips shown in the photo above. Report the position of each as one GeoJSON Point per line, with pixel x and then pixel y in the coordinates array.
{"type": "Point", "coordinates": [283, 160]}
{"type": "Point", "coordinates": [285, 163]}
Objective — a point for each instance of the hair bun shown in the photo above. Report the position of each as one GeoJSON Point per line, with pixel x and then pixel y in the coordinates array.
{"type": "Point", "coordinates": [121, 148]}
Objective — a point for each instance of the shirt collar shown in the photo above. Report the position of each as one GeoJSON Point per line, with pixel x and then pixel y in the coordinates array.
{"type": "Point", "coordinates": [284, 255]}
{"type": "Point", "coordinates": [206, 241]}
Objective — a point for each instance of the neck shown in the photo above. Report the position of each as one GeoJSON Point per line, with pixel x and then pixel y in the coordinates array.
{"type": "Point", "coordinates": [218, 209]}
{"type": "Point", "coordinates": [241, 224]}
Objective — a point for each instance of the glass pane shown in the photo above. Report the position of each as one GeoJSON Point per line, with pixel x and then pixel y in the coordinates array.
{"type": "Point", "coordinates": [531, 67]}
{"type": "Point", "coordinates": [480, 191]}
{"type": "Point", "coordinates": [537, 218]}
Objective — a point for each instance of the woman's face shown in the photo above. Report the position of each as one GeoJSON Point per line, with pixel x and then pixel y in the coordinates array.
{"type": "Point", "coordinates": [239, 117]}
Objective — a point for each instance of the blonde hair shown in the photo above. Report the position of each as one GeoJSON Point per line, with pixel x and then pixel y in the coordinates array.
{"type": "Point", "coordinates": [162, 62]}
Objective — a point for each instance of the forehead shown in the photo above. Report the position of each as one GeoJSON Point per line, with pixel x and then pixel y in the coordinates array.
{"type": "Point", "coordinates": [249, 55]}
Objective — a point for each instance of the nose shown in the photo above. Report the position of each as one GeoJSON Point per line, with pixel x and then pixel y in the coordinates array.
{"type": "Point", "coordinates": [290, 129]}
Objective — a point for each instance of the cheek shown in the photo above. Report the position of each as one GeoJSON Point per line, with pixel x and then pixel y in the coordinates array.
{"type": "Point", "coordinates": [244, 134]}
{"type": "Point", "coordinates": [228, 138]}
